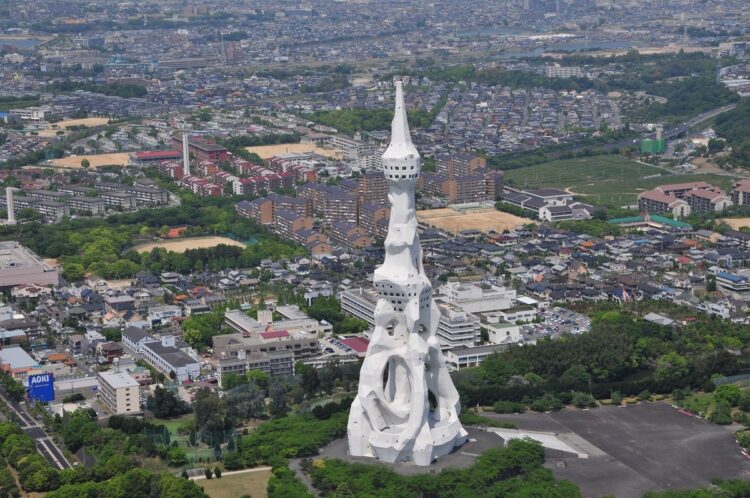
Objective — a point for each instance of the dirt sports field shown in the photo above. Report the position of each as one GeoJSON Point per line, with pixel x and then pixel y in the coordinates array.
{"type": "Point", "coordinates": [736, 223]}
{"type": "Point", "coordinates": [266, 151]}
{"type": "Point", "coordinates": [95, 160]}
{"type": "Point", "coordinates": [483, 219]}
{"type": "Point", "coordinates": [182, 245]}
{"type": "Point", "coordinates": [52, 130]}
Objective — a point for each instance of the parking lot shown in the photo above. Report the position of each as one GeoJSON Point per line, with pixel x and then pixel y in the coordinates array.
{"type": "Point", "coordinates": [557, 321]}
{"type": "Point", "coordinates": [644, 447]}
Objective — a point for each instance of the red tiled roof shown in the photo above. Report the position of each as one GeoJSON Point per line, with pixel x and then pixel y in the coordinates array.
{"type": "Point", "coordinates": [274, 334]}
{"type": "Point", "coordinates": [358, 344]}
{"type": "Point", "coordinates": [157, 154]}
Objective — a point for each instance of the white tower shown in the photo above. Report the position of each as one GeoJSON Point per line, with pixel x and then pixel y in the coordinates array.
{"type": "Point", "coordinates": [11, 205]}
{"type": "Point", "coordinates": [391, 419]}
{"type": "Point", "coordinates": [185, 154]}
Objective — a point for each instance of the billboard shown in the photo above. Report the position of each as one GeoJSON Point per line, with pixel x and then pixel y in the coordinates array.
{"type": "Point", "coordinates": [42, 387]}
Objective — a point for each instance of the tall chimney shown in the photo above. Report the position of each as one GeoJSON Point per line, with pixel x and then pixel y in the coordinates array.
{"type": "Point", "coordinates": [11, 206]}
{"type": "Point", "coordinates": [185, 154]}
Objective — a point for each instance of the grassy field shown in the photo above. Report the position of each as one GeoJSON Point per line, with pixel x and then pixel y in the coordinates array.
{"type": "Point", "coordinates": [603, 180]}
{"type": "Point", "coordinates": [252, 483]}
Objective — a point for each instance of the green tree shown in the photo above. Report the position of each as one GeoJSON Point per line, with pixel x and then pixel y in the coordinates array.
{"type": "Point", "coordinates": [85, 163]}
{"type": "Point", "coordinates": [210, 411]}
{"type": "Point", "coordinates": [671, 367]}
{"type": "Point", "coordinates": [729, 393]}
{"type": "Point", "coordinates": [177, 457]}
{"type": "Point", "coordinates": [73, 272]}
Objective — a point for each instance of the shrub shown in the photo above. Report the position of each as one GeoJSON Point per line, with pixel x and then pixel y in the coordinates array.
{"type": "Point", "coordinates": [721, 414]}
{"type": "Point", "coordinates": [508, 407]}
{"type": "Point", "coordinates": [729, 393]}
{"type": "Point", "coordinates": [743, 438]}
{"type": "Point", "coordinates": [546, 403]}
{"type": "Point", "coordinates": [208, 473]}
{"type": "Point", "coordinates": [644, 395]}
{"type": "Point", "coordinates": [233, 461]}
{"type": "Point", "coordinates": [680, 394]}
{"type": "Point", "coordinates": [616, 398]}
{"type": "Point", "coordinates": [583, 400]}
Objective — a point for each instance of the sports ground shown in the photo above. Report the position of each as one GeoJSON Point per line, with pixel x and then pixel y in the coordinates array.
{"type": "Point", "coordinates": [95, 160]}
{"type": "Point", "coordinates": [484, 219]}
{"type": "Point", "coordinates": [182, 245]}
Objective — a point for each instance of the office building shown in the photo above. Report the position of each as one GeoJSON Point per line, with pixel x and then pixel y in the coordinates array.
{"type": "Point", "coordinates": [119, 393]}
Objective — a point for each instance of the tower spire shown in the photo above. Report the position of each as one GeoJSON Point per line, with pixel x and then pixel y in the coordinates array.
{"type": "Point", "coordinates": [401, 146]}
{"type": "Point", "coordinates": [400, 126]}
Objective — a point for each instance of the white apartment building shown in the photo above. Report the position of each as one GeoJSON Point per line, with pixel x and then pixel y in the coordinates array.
{"type": "Point", "coordinates": [473, 298]}
{"type": "Point", "coordinates": [166, 357]}
{"type": "Point", "coordinates": [119, 393]}
{"type": "Point", "coordinates": [457, 327]}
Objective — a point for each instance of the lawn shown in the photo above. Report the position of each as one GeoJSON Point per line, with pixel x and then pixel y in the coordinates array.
{"type": "Point", "coordinates": [194, 453]}
{"type": "Point", "coordinates": [602, 180]}
{"type": "Point", "coordinates": [173, 423]}
{"type": "Point", "coordinates": [700, 403]}
{"type": "Point", "coordinates": [252, 483]}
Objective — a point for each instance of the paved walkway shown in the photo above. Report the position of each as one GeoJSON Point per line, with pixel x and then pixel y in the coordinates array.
{"type": "Point", "coordinates": [232, 472]}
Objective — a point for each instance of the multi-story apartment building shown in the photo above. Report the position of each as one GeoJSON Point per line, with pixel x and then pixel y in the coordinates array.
{"type": "Point", "coordinates": [171, 360]}
{"type": "Point", "coordinates": [678, 190]}
{"type": "Point", "coordinates": [297, 336]}
{"type": "Point", "coordinates": [119, 393]}
{"type": "Point", "coordinates": [77, 191]}
{"type": "Point", "coordinates": [260, 210]}
{"type": "Point", "coordinates": [707, 201]}
{"type": "Point", "coordinates": [272, 362]}
{"type": "Point", "coordinates": [118, 200]}
{"type": "Point", "coordinates": [347, 234]}
{"type": "Point", "coordinates": [372, 187]}
{"type": "Point", "coordinates": [52, 211]}
{"type": "Point", "coordinates": [654, 201]}
{"type": "Point", "coordinates": [299, 205]}
{"type": "Point", "coordinates": [741, 193]}
{"type": "Point", "coordinates": [331, 203]}
{"type": "Point", "coordinates": [143, 195]}
{"type": "Point", "coordinates": [458, 164]}
{"type": "Point", "coordinates": [374, 219]}
{"type": "Point", "coordinates": [456, 327]}
{"type": "Point", "coordinates": [47, 195]}
{"type": "Point", "coordinates": [287, 223]}
{"type": "Point", "coordinates": [89, 205]}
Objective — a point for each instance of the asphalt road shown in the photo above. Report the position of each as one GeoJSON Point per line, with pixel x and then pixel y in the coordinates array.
{"type": "Point", "coordinates": [645, 447]}
{"type": "Point", "coordinates": [44, 444]}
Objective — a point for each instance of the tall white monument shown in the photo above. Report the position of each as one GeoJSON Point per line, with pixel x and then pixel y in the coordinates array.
{"type": "Point", "coordinates": [393, 417]}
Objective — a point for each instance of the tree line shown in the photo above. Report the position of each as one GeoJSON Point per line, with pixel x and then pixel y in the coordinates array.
{"type": "Point", "coordinates": [621, 354]}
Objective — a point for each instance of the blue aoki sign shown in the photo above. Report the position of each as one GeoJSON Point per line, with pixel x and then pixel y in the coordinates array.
{"type": "Point", "coordinates": [42, 387]}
